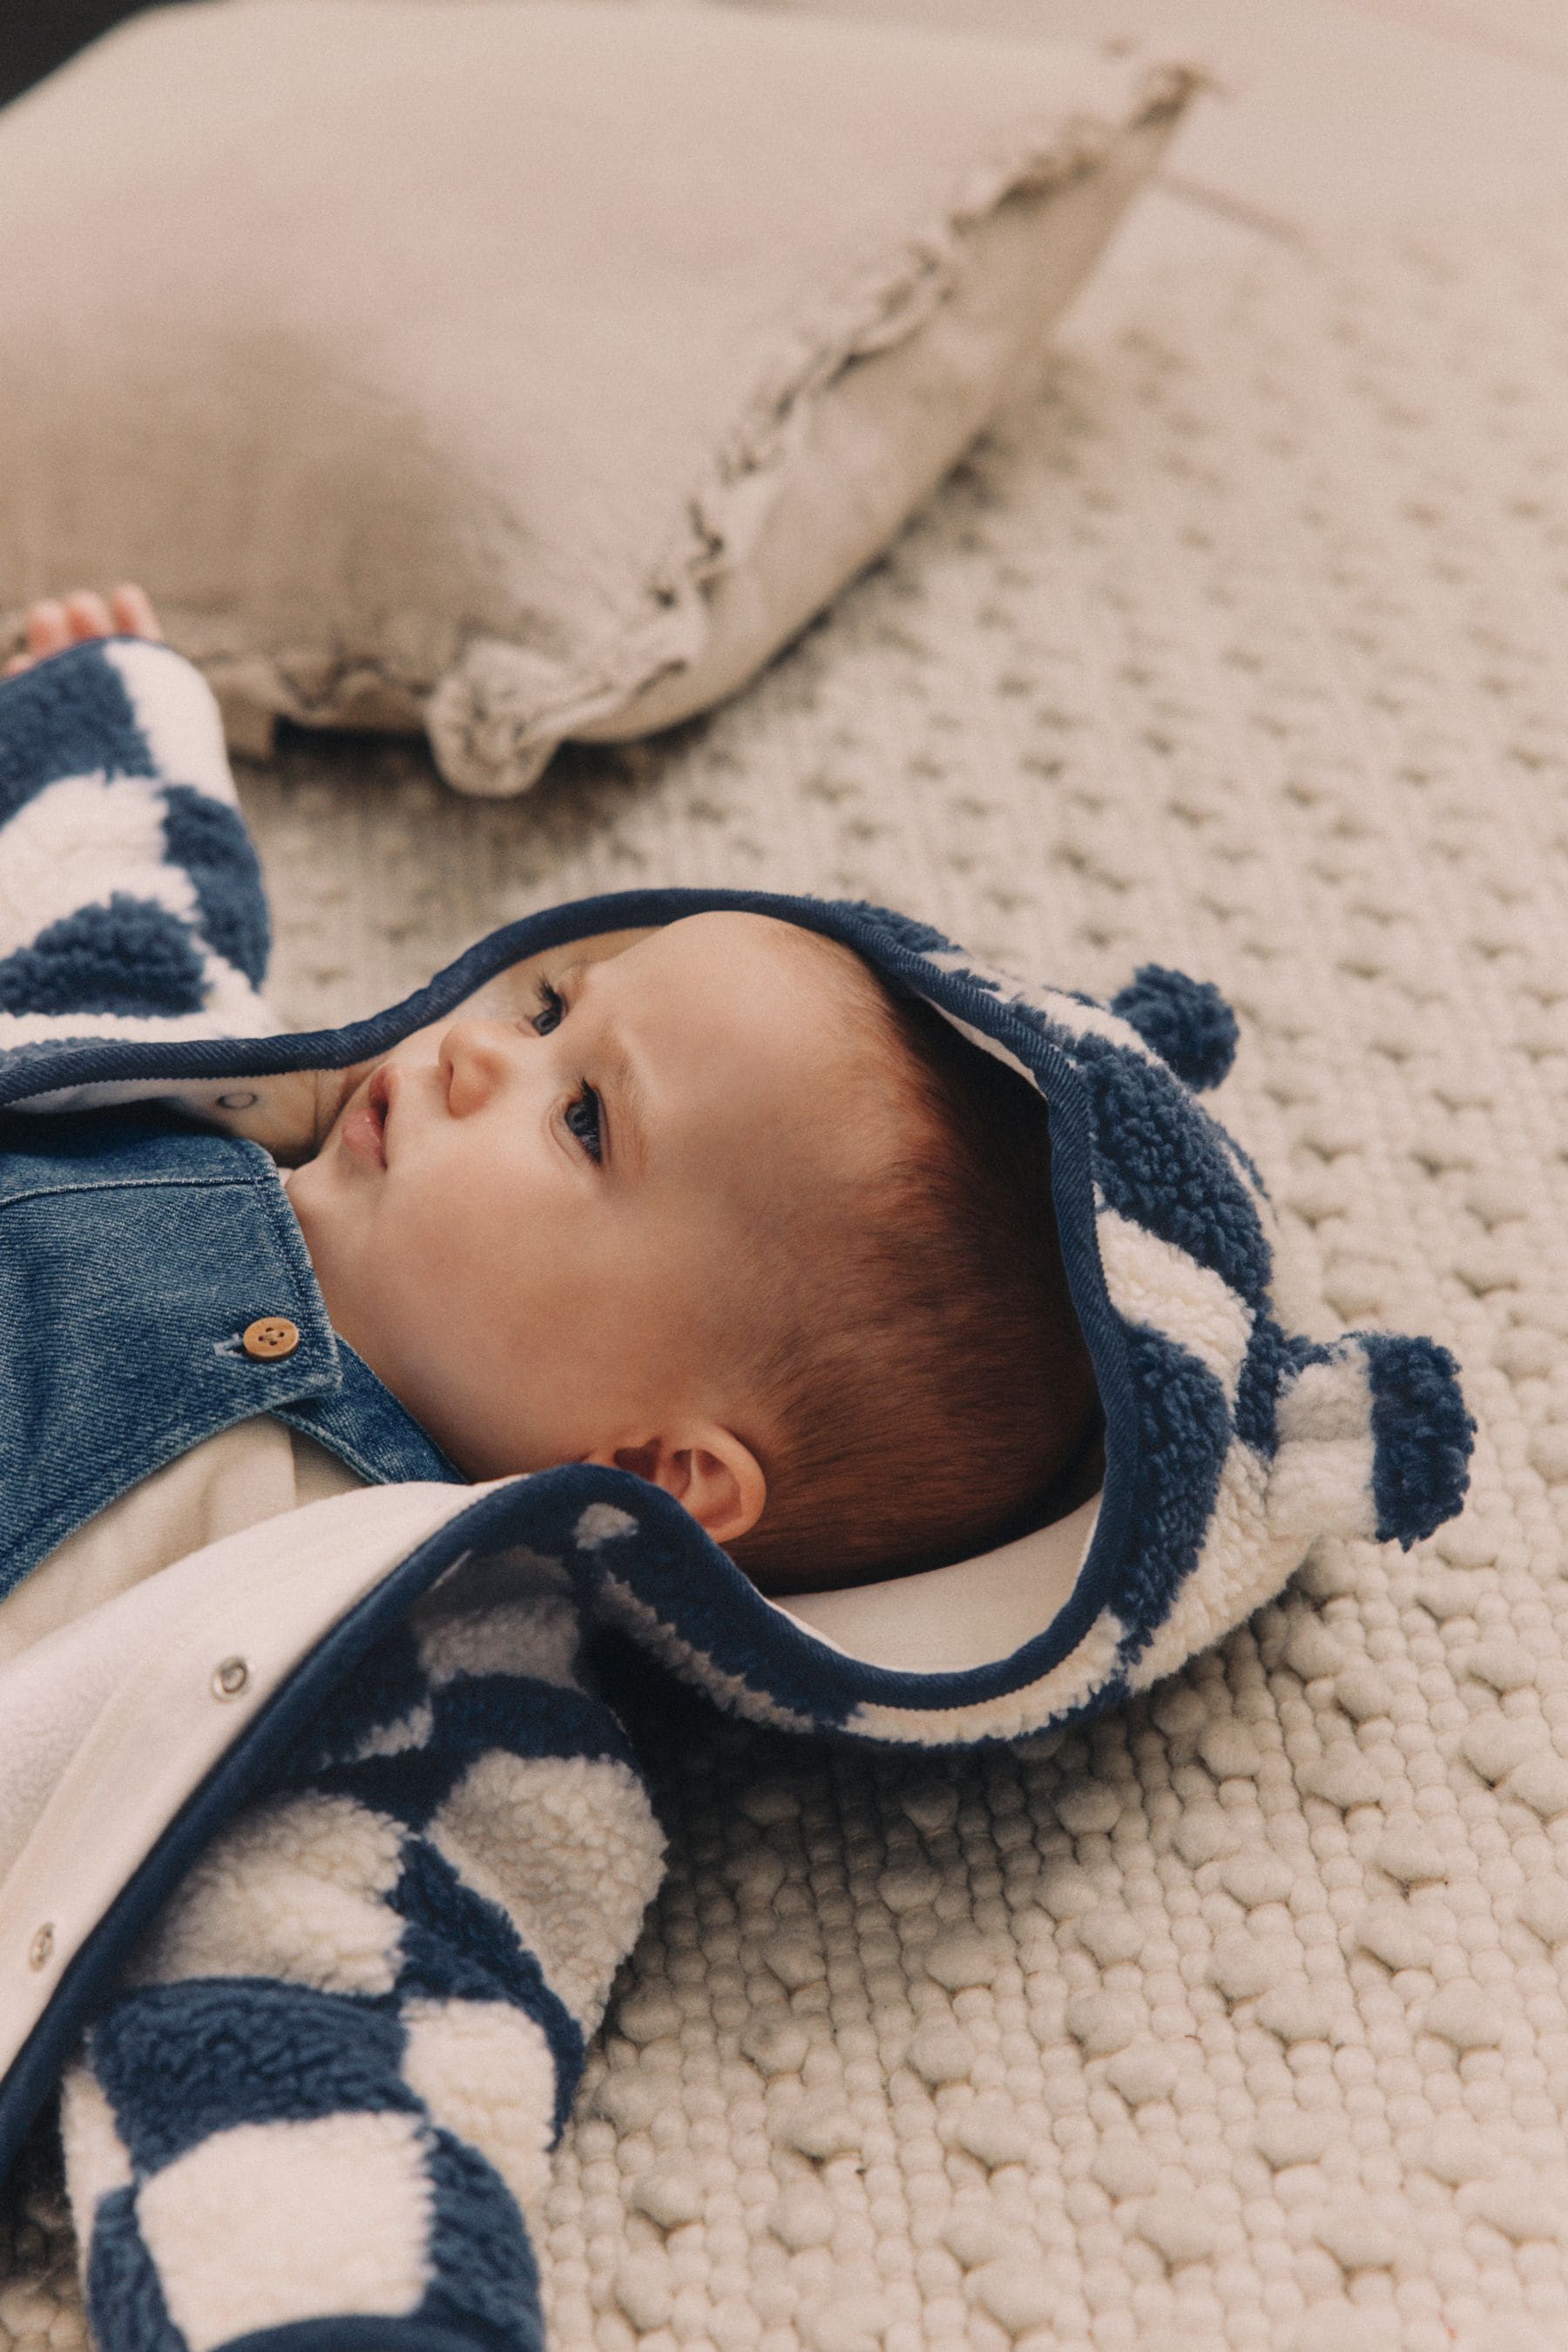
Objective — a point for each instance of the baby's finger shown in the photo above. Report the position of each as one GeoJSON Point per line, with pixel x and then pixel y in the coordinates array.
{"type": "Point", "coordinates": [88, 614]}
{"type": "Point", "coordinates": [16, 664]}
{"type": "Point", "coordinates": [134, 615]}
{"type": "Point", "coordinates": [49, 631]}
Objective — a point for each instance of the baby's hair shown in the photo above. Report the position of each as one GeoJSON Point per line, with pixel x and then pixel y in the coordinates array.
{"type": "Point", "coordinates": [913, 1349]}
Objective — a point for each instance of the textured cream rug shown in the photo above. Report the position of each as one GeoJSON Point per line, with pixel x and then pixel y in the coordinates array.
{"type": "Point", "coordinates": [1240, 2022]}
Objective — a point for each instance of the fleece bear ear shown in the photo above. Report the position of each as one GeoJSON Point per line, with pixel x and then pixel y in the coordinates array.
{"type": "Point", "coordinates": [1372, 1439]}
{"type": "Point", "coordinates": [1187, 1022]}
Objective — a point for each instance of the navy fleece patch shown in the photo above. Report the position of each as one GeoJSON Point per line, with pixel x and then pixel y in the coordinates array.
{"type": "Point", "coordinates": [1184, 1432]}
{"type": "Point", "coordinates": [1421, 1435]}
{"type": "Point", "coordinates": [385, 1687]}
{"type": "Point", "coordinates": [1162, 1161]}
{"type": "Point", "coordinates": [485, 2281]}
{"type": "Point", "coordinates": [921, 938]}
{"type": "Point", "coordinates": [124, 2294]}
{"type": "Point", "coordinates": [209, 840]}
{"type": "Point", "coordinates": [1187, 1022]}
{"type": "Point", "coordinates": [1274, 1358]}
{"type": "Point", "coordinates": [180, 2062]}
{"type": "Point", "coordinates": [129, 956]}
{"type": "Point", "coordinates": [473, 1716]}
{"type": "Point", "coordinates": [66, 718]}
{"type": "Point", "coordinates": [460, 1946]}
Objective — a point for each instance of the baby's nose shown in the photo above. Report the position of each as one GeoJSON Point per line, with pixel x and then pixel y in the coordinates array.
{"type": "Point", "coordinates": [477, 1057]}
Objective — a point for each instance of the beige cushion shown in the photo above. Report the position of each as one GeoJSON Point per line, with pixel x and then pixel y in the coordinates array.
{"type": "Point", "coordinates": [522, 372]}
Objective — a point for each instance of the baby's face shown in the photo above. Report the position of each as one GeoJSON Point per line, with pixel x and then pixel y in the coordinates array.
{"type": "Point", "coordinates": [527, 1225]}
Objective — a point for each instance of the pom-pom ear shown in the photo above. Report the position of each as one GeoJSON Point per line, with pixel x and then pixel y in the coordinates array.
{"type": "Point", "coordinates": [1187, 1022]}
{"type": "Point", "coordinates": [1374, 1439]}
{"type": "Point", "coordinates": [1421, 1433]}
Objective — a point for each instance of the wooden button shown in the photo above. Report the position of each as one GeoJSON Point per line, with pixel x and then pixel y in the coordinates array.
{"type": "Point", "coordinates": [270, 1335]}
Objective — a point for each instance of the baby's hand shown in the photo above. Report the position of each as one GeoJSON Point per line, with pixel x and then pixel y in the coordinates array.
{"type": "Point", "coordinates": [54, 623]}
{"type": "Point", "coordinates": [286, 1113]}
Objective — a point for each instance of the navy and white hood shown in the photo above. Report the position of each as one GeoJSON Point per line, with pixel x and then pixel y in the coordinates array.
{"type": "Point", "coordinates": [1231, 1444]}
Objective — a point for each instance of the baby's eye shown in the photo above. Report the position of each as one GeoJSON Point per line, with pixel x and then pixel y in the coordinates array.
{"type": "Point", "coordinates": [552, 1006]}
{"type": "Point", "coordinates": [583, 1122]}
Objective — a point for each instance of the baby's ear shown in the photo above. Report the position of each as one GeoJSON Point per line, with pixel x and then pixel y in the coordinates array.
{"type": "Point", "coordinates": [1187, 1022]}
{"type": "Point", "coordinates": [707, 1468]}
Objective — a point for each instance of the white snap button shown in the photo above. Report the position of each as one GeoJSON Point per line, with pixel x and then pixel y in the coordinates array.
{"type": "Point", "coordinates": [41, 1947]}
{"type": "Point", "coordinates": [236, 1102]}
{"type": "Point", "coordinates": [230, 1678]}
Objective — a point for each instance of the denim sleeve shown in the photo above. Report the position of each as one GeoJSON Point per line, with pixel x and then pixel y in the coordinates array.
{"type": "Point", "coordinates": [322, 2098]}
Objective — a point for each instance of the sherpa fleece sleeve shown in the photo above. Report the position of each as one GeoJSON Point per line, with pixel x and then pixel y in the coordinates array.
{"type": "Point", "coordinates": [323, 2097]}
{"type": "Point", "coordinates": [130, 898]}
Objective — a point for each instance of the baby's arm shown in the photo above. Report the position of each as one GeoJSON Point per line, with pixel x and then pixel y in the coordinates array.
{"type": "Point", "coordinates": [131, 902]}
{"type": "Point", "coordinates": [86, 844]}
{"type": "Point", "coordinates": [329, 2087]}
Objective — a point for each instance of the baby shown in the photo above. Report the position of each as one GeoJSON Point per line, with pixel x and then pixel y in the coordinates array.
{"type": "Point", "coordinates": [718, 1210]}
{"type": "Point", "coordinates": [329, 1838]}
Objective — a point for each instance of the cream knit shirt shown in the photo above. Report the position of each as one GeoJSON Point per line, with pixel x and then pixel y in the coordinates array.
{"type": "Point", "coordinates": [249, 1473]}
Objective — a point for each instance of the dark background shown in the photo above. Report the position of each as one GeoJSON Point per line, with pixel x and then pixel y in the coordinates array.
{"type": "Point", "coordinates": [35, 36]}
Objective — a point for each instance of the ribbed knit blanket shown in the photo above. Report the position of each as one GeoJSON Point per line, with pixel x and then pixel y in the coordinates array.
{"type": "Point", "coordinates": [1238, 2020]}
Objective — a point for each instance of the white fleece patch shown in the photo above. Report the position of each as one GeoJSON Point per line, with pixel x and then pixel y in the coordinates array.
{"type": "Point", "coordinates": [1241, 1565]}
{"type": "Point", "coordinates": [603, 1523]}
{"type": "Point", "coordinates": [1079, 1674]}
{"type": "Point", "coordinates": [538, 1638]}
{"type": "Point", "coordinates": [1320, 1480]}
{"type": "Point", "coordinates": [231, 1004]}
{"type": "Point", "coordinates": [952, 959]}
{"type": "Point", "coordinates": [1322, 1489]}
{"type": "Point", "coordinates": [1153, 1283]}
{"type": "Point", "coordinates": [290, 2220]}
{"type": "Point", "coordinates": [76, 843]}
{"type": "Point", "coordinates": [177, 715]}
{"type": "Point", "coordinates": [1078, 1020]}
{"type": "Point", "coordinates": [1327, 1401]}
{"type": "Point", "coordinates": [510, 1613]}
{"type": "Point", "coordinates": [233, 1010]}
{"type": "Point", "coordinates": [569, 1848]}
{"type": "Point", "coordinates": [294, 1889]}
{"type": "Point", "coordinates": [484, 2070]}
{"type": "Point", "coordinates": [414, 1729]}
{"type": "Point", "coordinates": [1093, 1020]}
{"type": "Point", "coordinates": [97, 2159]}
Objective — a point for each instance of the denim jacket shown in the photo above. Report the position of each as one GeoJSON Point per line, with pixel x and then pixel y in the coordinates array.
{"type": "Point", "coordinates": [134, 1254]}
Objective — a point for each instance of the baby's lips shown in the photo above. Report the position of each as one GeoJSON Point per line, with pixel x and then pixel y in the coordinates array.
{"type": "Point", "coordinates": [362, 1129]}
{"type": "Point", "coordinates": [334, 1092]}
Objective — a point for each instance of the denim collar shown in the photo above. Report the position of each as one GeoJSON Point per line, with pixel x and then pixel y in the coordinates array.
{"type": "Point", "coordinates": [363, 1422]}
